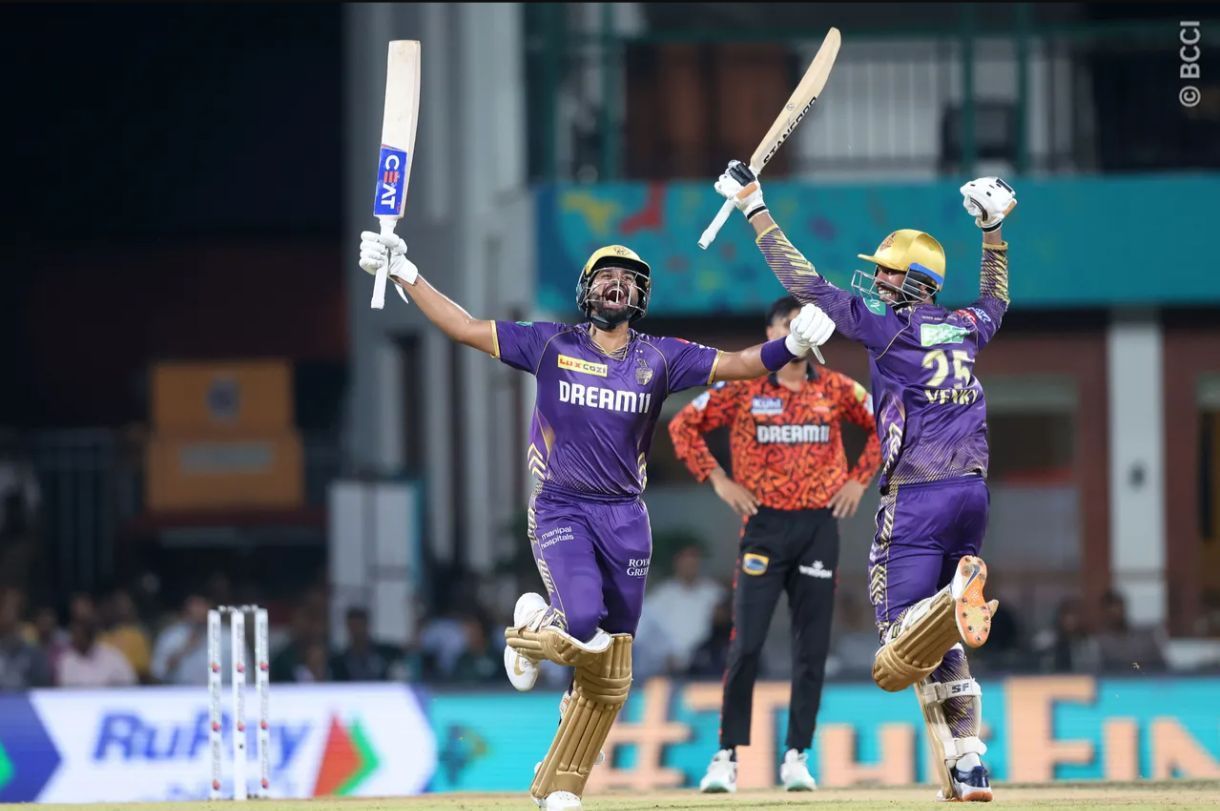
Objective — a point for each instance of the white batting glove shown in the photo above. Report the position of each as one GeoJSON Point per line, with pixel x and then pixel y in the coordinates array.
{"type": "Point", "coordinates": [989, 200]}
{"type": "Point", "coordinates": [740, 184]}
{"type": "Point", "coordinates": [374, 248]}
{"type": "Point", "coordinates": [810, 328]}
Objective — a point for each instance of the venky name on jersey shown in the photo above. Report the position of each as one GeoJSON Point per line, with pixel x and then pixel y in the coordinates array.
{"type": "Point", "coordinates": [791, 434]}
{"type": "Point", "coordinates": [600, 397]}
{"type": "Point", "coordinates": [952, 396]}
{"type": "Point", "coordinates": [583, 366]}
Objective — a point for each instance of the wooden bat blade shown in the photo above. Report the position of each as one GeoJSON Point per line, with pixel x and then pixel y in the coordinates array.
{"type": "Point", "coordinates": [798, 104]}
{"type": "Point", "coordinates": [401, 115]}
{"type": "Point", "coordinates": [398, 124]}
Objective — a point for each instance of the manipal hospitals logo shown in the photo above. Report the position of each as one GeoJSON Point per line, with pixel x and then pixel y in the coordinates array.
{"type": "Point", "coordinates": [28, 758]}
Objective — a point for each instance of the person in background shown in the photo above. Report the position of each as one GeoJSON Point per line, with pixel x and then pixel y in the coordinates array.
{"type": "Point", "coordinates": [294, 659]}
{"type": "Point", "coordinates": [712, 657]}
{"type": "Point", "coordinates": [791, 483]}
{"type": "Point", "coordinates": [124, 631]}
{"type": "Point", "coordinates": [480, 662]}
{"type": "Point", "coordinates": [363, 659]}
{"type": "Point", "coordinates": [314, 666]}
{"type": "Point", "coordinates": [89, 662]}
{"type": "Point", "coordinates": [1068, 646]}
{"type": "Point", "coordinates": [683, 606]}
{"type": "Point", "coordinates": [180, 655]}
{"type": "Point", "coordinates": [50, 638]}
{"type": "Point", "coordinates": [1122, 647]}
{"type": "Point", "coordinates": [22, 664]}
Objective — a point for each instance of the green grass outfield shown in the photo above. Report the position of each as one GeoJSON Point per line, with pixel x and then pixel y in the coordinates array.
{"type": "Point", "coordinates": [1179, 794]}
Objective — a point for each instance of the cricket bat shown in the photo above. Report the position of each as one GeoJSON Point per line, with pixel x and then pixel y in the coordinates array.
{"type": "Point", "coordinates": [798, 105]}
{"type": "Point", "coordinates": [397, 145]}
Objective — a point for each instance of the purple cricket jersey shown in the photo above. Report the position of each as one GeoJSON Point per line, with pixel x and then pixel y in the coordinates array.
{"type": "Point", "coordinates": [595, 415]}
{"type": "Point", "coordinates": [931, 413]}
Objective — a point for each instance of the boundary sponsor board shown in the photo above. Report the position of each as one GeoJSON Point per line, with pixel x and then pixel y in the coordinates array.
{"type": "Point", "coordinates": [376, 740]}
{"type": "Point", "coordinates": [151, 744]}
{"type": "Point", "coordinates": [1037, 729]}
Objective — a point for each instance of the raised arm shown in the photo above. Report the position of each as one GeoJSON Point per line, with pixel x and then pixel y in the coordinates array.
{"type": "Point", "coordinates": [438, 308]}
{"type": "Point", "coordinates": [872, 325]}
{"type": "Point", "coordinates": [990, 200]}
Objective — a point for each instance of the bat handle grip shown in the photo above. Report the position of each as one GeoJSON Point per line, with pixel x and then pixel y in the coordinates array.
{"type": "Point", "coordinates": [712, 230]}
{"type": "Point", "coordinates": [383, 272]}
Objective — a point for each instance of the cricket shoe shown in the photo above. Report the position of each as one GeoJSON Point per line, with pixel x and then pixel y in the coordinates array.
{"type": "Point", "coordinates": [523, 673]}
{"type": "Point", "coordinates": [971, 785]}
{"type": "Point", "coordinates": [721, 777]}
{"type": "Point", "coordinates": [794, 772]}
{"type": "Point", "coordinates": [971, 610]}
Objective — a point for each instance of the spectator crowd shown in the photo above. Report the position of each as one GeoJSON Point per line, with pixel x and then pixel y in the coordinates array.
{"type": "Point", "coordinates": [115, 639]}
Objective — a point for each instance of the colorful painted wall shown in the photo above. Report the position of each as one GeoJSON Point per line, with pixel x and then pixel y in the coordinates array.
{"type": "Point", "coordinates": [1083, 242]}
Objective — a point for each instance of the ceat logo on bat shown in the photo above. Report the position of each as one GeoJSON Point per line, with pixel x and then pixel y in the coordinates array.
{"type": "Point", "coordinates": [391, 192]}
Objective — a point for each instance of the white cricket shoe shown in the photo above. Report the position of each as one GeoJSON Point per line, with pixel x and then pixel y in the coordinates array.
{"type": "Point", "coordinates": [970, 785]}
{"type": "Point", "coordinates": [522, 673]}
{"type": "Point", "coordinates": [721, 774]}
{"type": "Point", "coordinates": [794, 772]}
{"type": "Point", "coordinates": [560, 801]}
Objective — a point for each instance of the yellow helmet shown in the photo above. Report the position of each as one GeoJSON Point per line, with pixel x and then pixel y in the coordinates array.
{"type": "Point", "coordinates": [907, 249]}
{"type": "Point", "coordinates": [614, 256]}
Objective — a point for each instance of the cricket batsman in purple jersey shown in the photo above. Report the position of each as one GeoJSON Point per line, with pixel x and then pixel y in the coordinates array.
{"type": "Point", "coordinates": [600, 389]}
{"type": "Point", "coordinates": [925, 576]}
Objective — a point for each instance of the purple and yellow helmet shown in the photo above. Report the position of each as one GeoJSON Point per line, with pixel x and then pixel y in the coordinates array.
{"type": "Point", "coordinates": [916, 255]}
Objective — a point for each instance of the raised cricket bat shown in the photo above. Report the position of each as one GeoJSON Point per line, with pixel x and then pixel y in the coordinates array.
{"type": "Point", "coordinates": [397, 145]}
{"type": "Point", "coordinates": [798, 105]}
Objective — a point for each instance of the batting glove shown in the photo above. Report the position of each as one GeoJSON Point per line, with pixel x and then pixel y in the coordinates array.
{"type": "Point", "coordinates": [376, 248]}
{"type": "Point", "coordinates": [989, 200]}
{"type": "Point", "coordinates": [740, 184]}
{"type": "Point", "coordinates": [810, 328]}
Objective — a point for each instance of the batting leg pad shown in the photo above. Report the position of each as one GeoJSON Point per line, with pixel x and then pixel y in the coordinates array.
{"type": "Point", "coordinates": [956, 613]}
{"type": "Point", "coordinates": [599, 691]}
{"type": "Point", "coordinates": [946, 748]}
{"type": "Point", "coordinates": [554, 644]}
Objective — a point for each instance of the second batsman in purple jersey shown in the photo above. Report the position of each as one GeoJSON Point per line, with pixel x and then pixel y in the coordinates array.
{"type": "Point", "coordinates": [925, 576]}
{"type": "Point", "coordinates": [601, 385]}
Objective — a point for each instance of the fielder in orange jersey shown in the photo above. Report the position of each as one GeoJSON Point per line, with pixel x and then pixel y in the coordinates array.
{"type": "Point", "coordinates": [792, 482]}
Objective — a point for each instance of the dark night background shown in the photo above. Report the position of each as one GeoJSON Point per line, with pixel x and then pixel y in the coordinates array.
{"type": "Point", "coordinates": [171, 190]}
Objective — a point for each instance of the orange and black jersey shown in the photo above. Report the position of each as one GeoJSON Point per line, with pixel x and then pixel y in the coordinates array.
{"type": "Point", "coordinates": [787, 447]}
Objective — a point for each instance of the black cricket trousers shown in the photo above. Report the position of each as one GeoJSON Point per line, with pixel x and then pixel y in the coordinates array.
{"type": "Point", "coordinates": [796, 551]}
